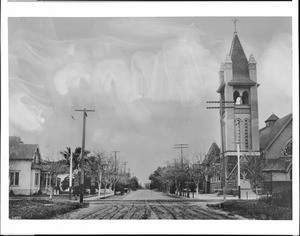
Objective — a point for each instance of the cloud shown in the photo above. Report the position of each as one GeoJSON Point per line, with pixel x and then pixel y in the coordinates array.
{"type": "Point", "coordinates": [26, 113]}
{"type": "Point", "coordinates": [275, 77]}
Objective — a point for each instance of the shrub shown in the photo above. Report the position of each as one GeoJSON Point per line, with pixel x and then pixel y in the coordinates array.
{"type": "Point", "coordinates": [280, 199]}
{"type": "Point", "coordinates": [40, 209]}
{"type": "Point", "coordinates": [11, 193]}
{"type": "Point", "coordinates": [255, 209]}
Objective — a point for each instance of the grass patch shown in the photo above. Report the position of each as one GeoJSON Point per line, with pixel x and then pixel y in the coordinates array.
{"type": "Point", "coordinates": [40, 209]}
{"type": "Point", "coordinates": [256, 209]}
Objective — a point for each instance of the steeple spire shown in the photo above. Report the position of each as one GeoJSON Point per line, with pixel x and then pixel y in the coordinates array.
{"type": "Point", "coordinates": [235, 20]}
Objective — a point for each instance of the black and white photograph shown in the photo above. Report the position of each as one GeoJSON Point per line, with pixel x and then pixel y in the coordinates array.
{"type": "Point", "coordinates": [157, 119]}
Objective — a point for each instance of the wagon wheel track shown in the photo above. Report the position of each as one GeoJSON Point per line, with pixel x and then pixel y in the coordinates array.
{"type": "Point", "coordinates": [204, 212]}
{"type": "Point", "coordinates": [128, 215]}
{"type": "Point", "coordinates": [168, 210]}
{"type": "Point", "coordinates": [94, 212]}
{"type": "Point", "coordinates": [152, 212]}
{"type": "Point", "coordinates": [115, 208]}
{"type": "Point", "coordinates": [113, 212]}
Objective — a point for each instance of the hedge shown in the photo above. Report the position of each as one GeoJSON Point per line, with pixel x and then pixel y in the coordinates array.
{"type": "Point", "coordinates": [40, 209]}
{"type": "Point", "coordinates": [255, 209]}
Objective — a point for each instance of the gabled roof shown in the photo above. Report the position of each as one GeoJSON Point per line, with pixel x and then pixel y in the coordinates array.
{"type": "Point", "coordinates": [24, 152]}
{"type": "Point", "coordinates": [213, 154]}
{"type": "Point", "coordinates": [239, 60]}
{"type": "Point", "coordinates": [268, 135]}
{"type": "Point", "coordinates": [273, 117]}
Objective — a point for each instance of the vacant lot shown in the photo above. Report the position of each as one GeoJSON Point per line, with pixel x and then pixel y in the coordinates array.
{"type": "Point", "coordinates": [40, 209]}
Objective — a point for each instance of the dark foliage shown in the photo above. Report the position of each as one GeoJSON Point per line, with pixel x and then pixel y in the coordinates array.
{"type": "Point", "coordinates": [40, 209]}
{"type": "Point", "coordinates": [281, 199]}
{"type": "Point", "coordinates": [255, 209]}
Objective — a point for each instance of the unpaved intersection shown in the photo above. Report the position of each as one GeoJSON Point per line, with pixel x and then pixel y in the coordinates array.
{"type": "Point", "coordinates": [146, 204]}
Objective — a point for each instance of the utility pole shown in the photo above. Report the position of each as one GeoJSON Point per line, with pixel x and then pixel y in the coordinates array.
{"type": "Point", "coordinates": [83, 153]}
{"type": "Point", "coordinates": [181, 146]}
{"type": "Point", "coordinates": [125, 163]}
{"type": "Point", "coordinates": [115, 171]}
{"type": "Point", "coordinates": [238, 158]}
{"type": "Point", "coordinates": [71, 169]}
{"type": "Point", "coordinates": [71, 175]}
{"type": "Point", "coordinates": [222, 108]}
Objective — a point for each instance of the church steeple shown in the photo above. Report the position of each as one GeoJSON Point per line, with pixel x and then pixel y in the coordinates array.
{"type": "Point", "coordinates": [239, 60]}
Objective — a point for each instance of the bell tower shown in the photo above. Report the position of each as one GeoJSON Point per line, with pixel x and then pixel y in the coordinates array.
{"type": "Point", "coordinates": [238, 83]}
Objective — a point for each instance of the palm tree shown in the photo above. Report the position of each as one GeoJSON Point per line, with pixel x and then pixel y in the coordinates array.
{"type": "Point", "coordinates": [75, 157]}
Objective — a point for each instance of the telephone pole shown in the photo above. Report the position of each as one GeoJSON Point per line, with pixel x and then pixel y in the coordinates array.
{"type": "Point", "coordinates": [125, 163]}
{"type": "Point", "coordinates": [115, 172]}
{"type": "Point", "coordinates": [181, 146]}
{"type": "Point", "coordinates": [222, 108]}
{"type": "Point", "coordinates": [238, 158]}
{"type": "Point", "coordinates": [83, 153]}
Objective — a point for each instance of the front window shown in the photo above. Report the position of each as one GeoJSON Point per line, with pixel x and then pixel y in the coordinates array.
{"type": "Point", "coordinates": [36, 180]}
{"type": "Point", "coordinates": [14, 178]}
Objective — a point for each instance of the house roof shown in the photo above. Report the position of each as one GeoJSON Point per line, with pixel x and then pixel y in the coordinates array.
{"type": "Point", "coordinates": [24, 152]}
{"type": "Point", "coordinates": [268, 134]}
{"type": "Point", "coordinates": [55, 167]}
{"type": "Point", "coordinates": [239, 60]}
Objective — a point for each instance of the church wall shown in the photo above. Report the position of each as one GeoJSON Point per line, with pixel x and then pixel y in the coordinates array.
{"type": "Point", "coordinates": [254, 119]}
{"type": "Point", "coordinates": [229, 120]}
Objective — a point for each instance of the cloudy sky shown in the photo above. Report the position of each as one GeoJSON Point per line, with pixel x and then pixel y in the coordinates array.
{"type": "Point", "coordinates": [147, 78]}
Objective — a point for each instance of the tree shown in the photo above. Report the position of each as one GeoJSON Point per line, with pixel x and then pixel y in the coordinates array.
{"type": "Point", "coordinates": [14, 148]}
{"type": "Point", "coordinates": [76, 158]}
{"type": "Point", "coordinates": [53, 168]}
{"type": "Point", "coordinates": [96, 168]}
{"type": "Point", "coordinates": [197, 174]}
{"type": "Point", "coordinates": [254, 165]}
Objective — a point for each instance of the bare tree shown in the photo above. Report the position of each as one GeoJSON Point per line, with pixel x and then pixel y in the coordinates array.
{"type": "Point", "coordinates": [54, 168]}
{"type": "Point", "coordinates": [96, 167]}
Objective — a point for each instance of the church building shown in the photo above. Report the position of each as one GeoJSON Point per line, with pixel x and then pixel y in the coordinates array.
{"type": "Point", "coordinates": [239, 109]}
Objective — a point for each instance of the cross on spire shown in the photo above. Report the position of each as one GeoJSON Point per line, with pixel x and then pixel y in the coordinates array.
{"type": "Point", "coordinates": [235, 20]}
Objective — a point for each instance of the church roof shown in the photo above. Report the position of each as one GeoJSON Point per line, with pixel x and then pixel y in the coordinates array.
{"type": "Point", "coordinates": [273, 117]}
{"type": "Point", "coordinates": [239, 60]}
{"type": "Point", "coordinates": [213, 154]}
{"type": "Point", "coordinates": [282, 164]}
{"type": "Point", "coordinates": [268, 134]}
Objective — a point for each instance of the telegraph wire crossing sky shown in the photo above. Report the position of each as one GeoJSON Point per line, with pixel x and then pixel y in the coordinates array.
{"type": "Point", "coordinates": [148, 80]}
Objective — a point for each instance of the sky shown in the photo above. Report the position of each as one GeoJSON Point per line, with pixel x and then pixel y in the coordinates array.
{"type": "Point", "coordinates": [148, 80]}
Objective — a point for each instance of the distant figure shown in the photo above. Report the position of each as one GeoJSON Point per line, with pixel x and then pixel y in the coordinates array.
{"type": "Point", "coordinates": [238, 101]}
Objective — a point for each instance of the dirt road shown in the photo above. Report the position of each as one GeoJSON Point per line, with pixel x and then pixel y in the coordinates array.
{"type": "Point", "coordinates": [146, 204]}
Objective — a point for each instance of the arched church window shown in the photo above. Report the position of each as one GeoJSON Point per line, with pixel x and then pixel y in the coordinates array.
{"type": "Point", "coordinates": [246, 122]}
{"type": "Point", "coordinates": [238, 130]}
{"type": "Point", "coordinates": [288, 150]}
{"type": "Point", "coordinates": [245, 97]}
{"type": "Point", "coordinates": [236, 94]}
